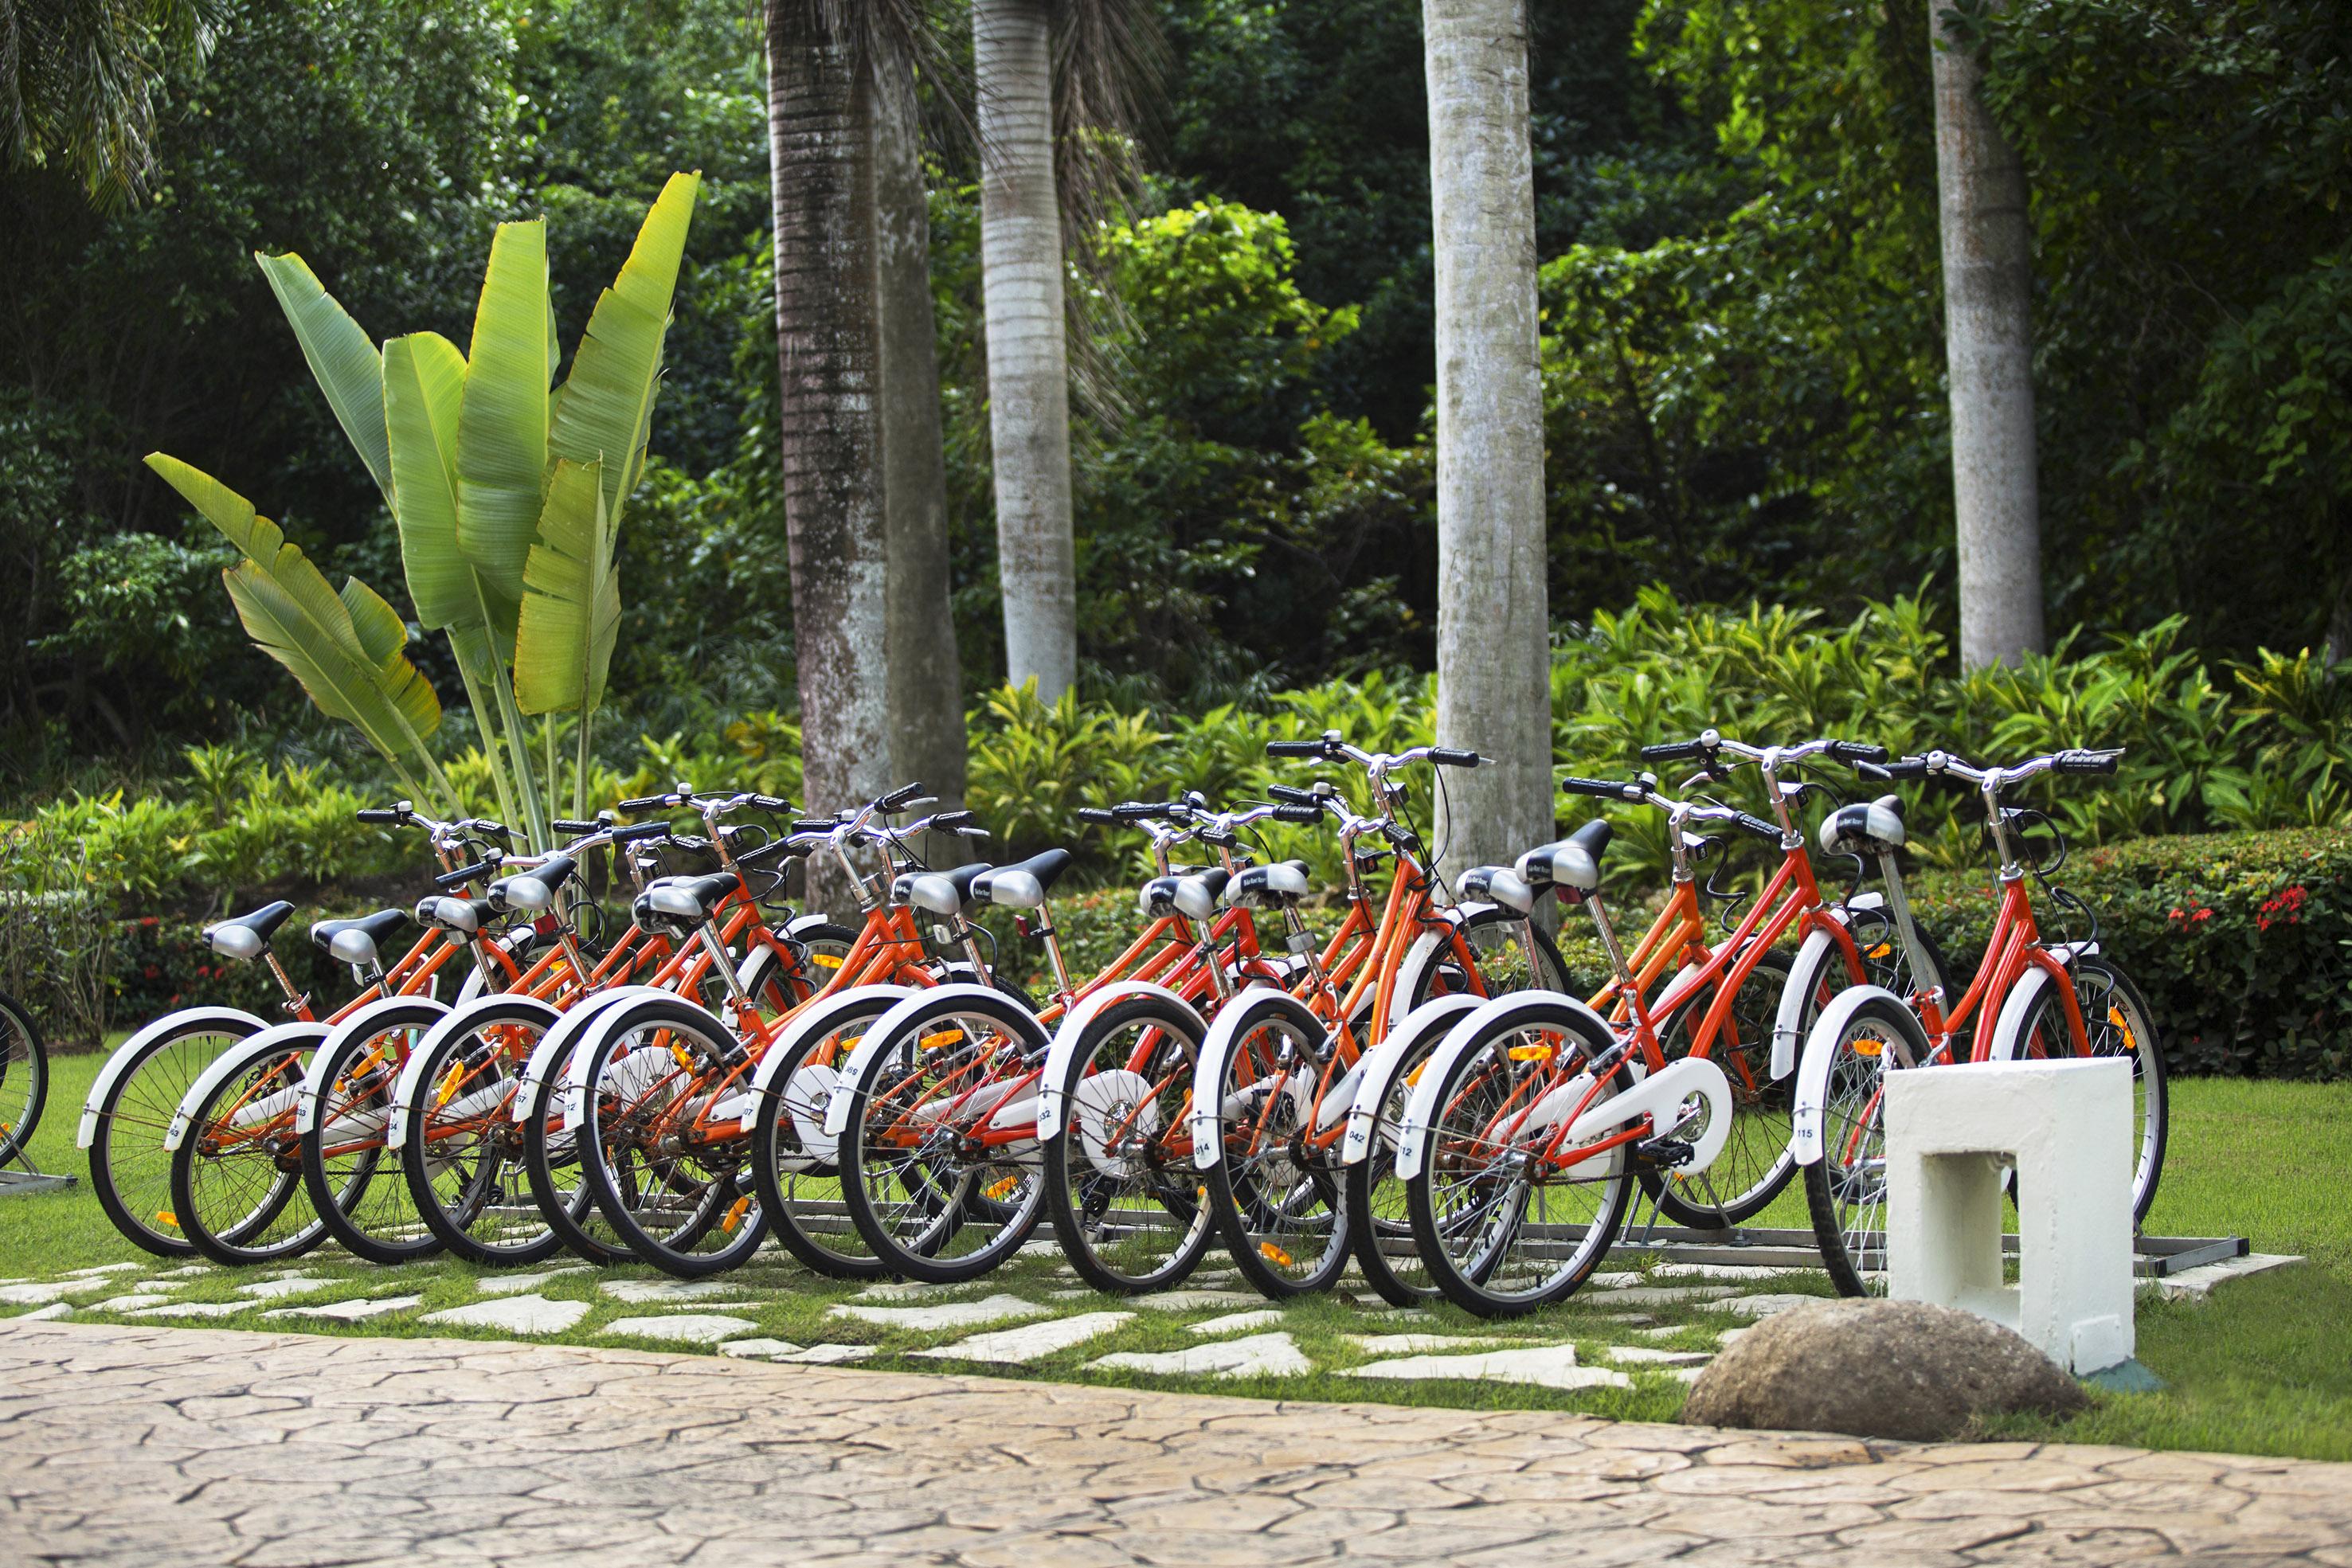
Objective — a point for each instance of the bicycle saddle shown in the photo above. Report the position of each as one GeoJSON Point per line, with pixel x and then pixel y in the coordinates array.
{"type": "Point", "coordinates": [459, 917]}
{"type": "Point", "coordinates": [947, 893]}
{"type": "Point", "coordinates": [1863, 829]}
{"type": "Point", "coordinates": [356, 941]}
{"type": "Point", "coordinates": [1022, 885]}
{"type": "Point", "coordinates": [1193, 895]}
{"type": "Point", "coordinates": [687, 900]}
{"type": "Point", "coordinates": [1277, 886]}
{"type": "Point", "coordinates": [532, 892]}
{"type": "Point", "coordinates": [245, 935]}
{"type": "Point", "coordinates": [1499, 886]}
{"type": "Point", "coordinates": [1573, 863]}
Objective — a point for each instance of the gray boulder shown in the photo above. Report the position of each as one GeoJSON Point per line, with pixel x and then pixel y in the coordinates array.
{"type": "Point", "coordinates": [1877, 1369]}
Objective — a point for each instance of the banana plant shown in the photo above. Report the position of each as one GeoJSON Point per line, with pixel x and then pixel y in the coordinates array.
{"type": "Point", "coordinates": [507, 493]}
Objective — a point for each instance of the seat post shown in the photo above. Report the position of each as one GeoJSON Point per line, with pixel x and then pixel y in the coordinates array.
{"type": "Point", "coordinates": [296, 1000]}
{"type": "Point", "coordinates": [1052, 940]}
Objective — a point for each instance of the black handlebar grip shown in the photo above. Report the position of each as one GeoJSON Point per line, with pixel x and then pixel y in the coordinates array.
{"type": "Point", "coordinates": [1673, 751]}
{"type": "Point", "coordinates": [1099, 816]}
{"type": "Point", "coordinates": [1453, 757]}
{"type": "Point", "coordinates": [1291, 795]}
{"type": "Point", "coordinates": [1856, 751]}
{"type": "Point", "coordinates": [483, 827]}
{"type": "Point", "coordinates": [377, 814]}
{"type": "Point", "coordinates": [948, 822]}
{"type": "Point", "coordinates": [573, 825]}
{"type": "Point", "coordinates": [1136, 811]}
{"type": "Point", "coordinates": [897, 797]}
{"type": "Point", "coordinates": [1602, 789]}
{"type": "Point", "coordinates": [646, 803]}
{"type": "Point", "coordinates": [1288, 813]}
{"type": "Point", "coordinates": [1901, 768]}
{"type": "Point", "coordinates": [769, 803]}
{"type": "Point", "coordinates": [464, 874]}
{"type": "Point", "coordinates": [635, 831]}
{"type": "Point", "coordinates": [2078, 761]}
{"type": "Point", "coordinates": [1873, 772]}
{"type": "Point", "coordinates": [815, 825]}
{"type": "Point", "coordinates": [1293, 749]}
{"type": "Point", "coordinates": [1758, 825]}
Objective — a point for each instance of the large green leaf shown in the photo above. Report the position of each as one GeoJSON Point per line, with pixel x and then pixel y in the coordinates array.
{"type": "Point", "coordinates": [608, 404]}
{"type": "Point", "coordinates": [502, 418]}
{"type": "Point", "coordinates": [571, 609]}
{"type": "Point", "coordinates": [424, 386]}
{"type": "Point", "coordinates": [340, 356]}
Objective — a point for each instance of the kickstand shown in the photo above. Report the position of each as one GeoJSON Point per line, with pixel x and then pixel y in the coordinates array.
{"type": "Point", "coordinates": [31, 1178]}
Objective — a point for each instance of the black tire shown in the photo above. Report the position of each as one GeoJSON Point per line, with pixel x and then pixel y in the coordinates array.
{"type": "Point", "coordinates": [940, 1211]}
{"type": "Point", "coordinates": [348, 1170]}
{"type": "Point", "coordinates": [130, 1168]}
{"type": "Point", "coordinates": [1755, 1163]}
{"type": "Point", "coordinates": [793, 1162]}
{"type": "Point", "coordinates": [1846, 1190]}
{"type": "Point", "coordinates": [1474, 1229]}
{"type": "Point", "coordinates": [243, 1203]}
{"type": "Point", "coordinates": [2117, 1019]}
{"type": "Point", "coordinates": [691, 1211]}
{"type": "Point", "coordinates": [23, 1078]}
{"type": "Point", "coordinates": [1124, 1201]}
{"type": "Point", "coordinates": [1278, 1200]}
{"type": "Point", "coordinates": [461, 1152]}
{"type": "Point", "coordinates": [559, 1186]}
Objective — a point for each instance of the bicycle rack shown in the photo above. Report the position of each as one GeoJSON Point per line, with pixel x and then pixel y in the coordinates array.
{"type": "Point", "coordinates": [32, 1178]}
{"type": "Point", "coordinates": [2153, 1257]}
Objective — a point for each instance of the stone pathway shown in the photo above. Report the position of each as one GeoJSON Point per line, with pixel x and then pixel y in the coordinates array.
{"type": "Point", "coordinates": [163, 1446]}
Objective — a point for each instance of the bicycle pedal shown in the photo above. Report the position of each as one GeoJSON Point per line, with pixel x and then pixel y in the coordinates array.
{"type": "Point", "coordinates": [1665, 1152]}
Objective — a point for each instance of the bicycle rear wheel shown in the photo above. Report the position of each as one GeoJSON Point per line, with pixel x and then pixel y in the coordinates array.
{"type": "Point", "coordinates": [794, 1161]}
{"type": "Point", "coordinates": [237, 1177]}
{"type": "Point", "coordinates": [461, 1151]}
{"type": "Point", "coordinates": [1755, 1163]}
{"type": "Point", "coordinates": [2116, 1021]}
{"type": "Point", "coordinates": [23, 1078]}
{"type": "Point", "coordinates": [352, 1175]}
{"type": "Point", "coordinates": [130, 1168]}
{"type": "Point", "coordinates": [1120, 1186]}
{"type": "Point", "coordinates": [1275, 1190]}
{"type": "Point", "coordinates": [1846, 1190]}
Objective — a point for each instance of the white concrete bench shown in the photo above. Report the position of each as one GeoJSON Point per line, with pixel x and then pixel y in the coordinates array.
{"type": "Point", "coordinates": [2065, 1126]}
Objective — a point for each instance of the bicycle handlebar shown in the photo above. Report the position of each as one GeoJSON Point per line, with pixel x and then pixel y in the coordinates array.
{"type": "Point", "coordinates": [465, 874]}
{"type": "Point", "coordinates": [1601, 788]}
{"type": "Point", "coordinates": [379, 815]}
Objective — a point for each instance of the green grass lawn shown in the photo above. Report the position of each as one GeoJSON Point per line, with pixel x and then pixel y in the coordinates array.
{"type": "Point", "coordinates": [2261, 1366]}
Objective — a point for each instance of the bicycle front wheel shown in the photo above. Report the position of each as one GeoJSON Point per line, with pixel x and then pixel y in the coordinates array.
{"type": "Point", "coordinates": [461, 1150]}
{"type": "Point", "coordinates": [1756, 1162]}
{"type": "Point", "coordinates": [237, 1177]}
{"type": "Point", "coordinates": [23, 1078]}
{"type": "Point", "coordinates": [130, 1168]}
{"type": "Point", "coordinates": [1846, 1190]}
{"type": "Point", "coordinates": [354, 1177]}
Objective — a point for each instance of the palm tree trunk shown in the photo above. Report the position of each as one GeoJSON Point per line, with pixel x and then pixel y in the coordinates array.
{"type": "Point", "coordinates": [926, 691]}
{"type": "Point", "coordinates": [1028, 361]}
{"type": "Point", "coordinates": [1494, 688]}
{"type": "Point", "coordinates": [821, 152]}
{"type": "Point", "coordinates": [1988, 346]}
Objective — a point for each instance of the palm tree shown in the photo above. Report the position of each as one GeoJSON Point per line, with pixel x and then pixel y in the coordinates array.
{"type": "Point", "coordinates": [77, 83]}
{"type": "Point", "coordinates": [1494, 691]}
{"type": "Point", "coordinates": [1988, 346]}
{"type": "Point", "coordinates": [1060, 86]}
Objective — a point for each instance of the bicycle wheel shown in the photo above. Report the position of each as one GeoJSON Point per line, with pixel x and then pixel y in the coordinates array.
{"type": "Point", "coordinates": [1275, 1189]}
{"type": "Point", "coordinates": [660, 1140]}
{"type": "Point", "coordinates": [352, 1176]}
{"type": "Point", "coordinates": [1846, 1190]}
{"type": "Point", "coordinates": [793, 1160]}
{"type": "Point", "coordinates": [1501, 1231]}
{"type": "Point", "coordinates": [2117, 1022]}
{"type": "Point", "coordinates": [1120, 1187]}
{"type": "Point", "coordinates": [1379, 1222]}
{"type": "Point", "coordinates": [138, 1091]}
{"type": "Point", "coordinates": [559, 1186]}
{"type": "Point", "coordinates": [932, 1179]}
{"type": "Point", "coordinates": [23, 1078]}
{"type": "Point", "coordinates": [237, 1177]}
{"type": "Point", "coordinates": [461, 1150]}
{"type": "Point", "coordinates": [1755, 1163]}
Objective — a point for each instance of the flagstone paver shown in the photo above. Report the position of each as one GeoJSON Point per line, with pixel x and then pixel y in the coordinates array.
{"type": "Point", "coordinates": [169, 1447]}
{"type": "Point", "coordinates": [1234, 1323]}
{"type": "Point", "coordinates": [1031, 1342]}
{"type": "Point", "coordinates": [1264, 1355]}
{"type": "Point", "coordinates": [352, 1312]}
{"type": "Point", "coordinates": [514, 1314]}
{"type": "Point", "coordinates": [946, 1316]}
{"type": "Point", "coordinates": [680, 1328]}
{"type": "Point", "coordinates": [1550, 1365]}
{"type": "Point", "coordinates": [515, 1284]}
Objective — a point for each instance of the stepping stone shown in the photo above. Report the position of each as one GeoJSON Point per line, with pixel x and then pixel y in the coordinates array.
{"type": "Point", "coordinates": [1634, 1318]}
{"type": "Point", "coordinates": [41, 1292]}
{"type": "Point", "coordinates": [50, 1313]}
{"type": "Point", "coordinates": [1729, 1337]}
{"type": "Point", "coordinates": [188, 1271]}
{"type": "Point", "coordinates": [906, 1291]}
{"type": "Point", "coordinates": [1234, 1323]}
{"type": "Point", "coordinates": [946, 1316]}
{"type": "Point", "coordinates": [1759, 1307]}
{"type": "Point", "coordinates": [2192, 1283]}
{"type": "Point", "coordinates": [760, 1349]}
{"type": "Point", "coordinates": [1031, 1342]}
{"type": "Point", "coordinates": [1720, 1272]}
{"type": "Point", "coordinates": [514, 1314]}
{"type": "Point", "coordinates": [286, 1285]}
{"type": "Point", "coordinates": [820, 1354]}
{"type": "Point", "coordinates": [1685, 1373]}
{"type": "Point", "coordinates": [129, 1304]}
{"type": "Point", "coordinates": [650, 1293]}
{"type": "Point", "coordinates": [357, 1310]}
{"type": "Point", "coordinates": [1193, 1300]}
{"type": "Point", "coordinates": [681, 1328]}
{"type": "Point", "coordinates": [515, 1284]}
{"type": "Point", "coordinates": [1553, 1366]}
{"type": "Point", "coordinates": [194, 1309]}
{"type": "Point", "coordinates": [1612, 1279]}
{"type": "Point", "coordinates": [1650, 1356]}
{"type": "Point", "coordinates": [1664, 1295]}
{"type": "Point", "coordinates": [1417, 1343]}
{"type": "Point", "coordinates": [100, 1271]}
{"type": "Point", "coordinates": [1265, 1354]}
{"type": "Point", "coordinates": [1072, 1295]}
{"type": "Point", "coordinates": [1668, 1330]}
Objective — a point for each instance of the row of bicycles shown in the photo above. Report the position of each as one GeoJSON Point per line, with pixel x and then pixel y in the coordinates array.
{"type": "Point", "coordinates": [631, 1048]}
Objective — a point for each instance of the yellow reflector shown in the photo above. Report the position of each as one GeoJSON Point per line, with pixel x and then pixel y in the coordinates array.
{"type": "Point", "coordinates": [1868, 1046]}
{"type": "Point", "coordinates": [1412, 1078]}
{"type": "Point", "coordinates": [999, 1188]}
{"type": "Point", "coordinates": [1275, 1255]}
{"type": "Point", "coordinates": [166, 1217]}
{"type": "Point", "coordinates": [945, 1037]}
{"type": "Point", "coordinates": [2116, 1017]}
{"type": "Point", "coordinates": [1880, 951]}
{"type": "Point", "coordinates": [824, 961]}
{"type": "Point", "coordinates": [447, 1088]}
{"type": "Point", "coordinates": [735, 1214]}
{"type": "Point", "coordinates": [1529, 1054]}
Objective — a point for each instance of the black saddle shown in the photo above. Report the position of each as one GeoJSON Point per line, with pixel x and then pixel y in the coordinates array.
{"type": "Point", "coordinates": [374, 928]}
{"type": "Point", "coordinates": [262, 922]}
{"type": "Point", "coordinates": [687, 900]}
{"type": "Point", "coordinates": [1281, 885]}
{"type": "Point", "coordinates": [1024, 884]}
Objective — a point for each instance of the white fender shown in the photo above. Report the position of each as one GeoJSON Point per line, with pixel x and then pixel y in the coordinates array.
{"type": "Point", "coordinates": [815, 1021]}
{"type": "Point", "coordinates": [1503, 1013]}
{"type": "Point", "coordinates": [1236, 1020]}
{"type": "Point", "coordinates": [276, 1041]}
{"type": "Point", "coordinates": [384, 1011]}
{"type": "Point", "coordinates": [1788, 1038]}
{"type": "Point", "coordinates": [1426, 950]}
{"type": "Point", "coordinates": [1376, 1077]}
{"type": "Point", "coordinates": [596, 1027]}
{"type": "Point", "coordinates": [233, 1021]}
{"type": "Point", "coordinates": [1811, 1106]}
{"type": "Point", "coordinates": [858, 1073]}
{"type": "Point", "coordinates": [460, 1022]}
{"type": "Point", "coordinates": [538, 1073]}
{"type": "Point", "coordinates": [1068, 1044]}
{"type": "Point", "coordinates": [2009, 1029]}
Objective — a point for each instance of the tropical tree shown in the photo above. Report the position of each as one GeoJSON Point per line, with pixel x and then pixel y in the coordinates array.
{"type": "Point", "coordinates": [1988, 345]}
{"type": "Point", "coordinates": [1494, 691]}
{"type": "Point", "coordinates": [77, 82]}
{"type": "Point", "coordinates": [507, 495]}
{"type": "Point", "coordinates": [1057, 92]}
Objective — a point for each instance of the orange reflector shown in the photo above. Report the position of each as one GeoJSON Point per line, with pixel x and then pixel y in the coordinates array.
{"type": "Point", "coordinates": [1523, 1053]}
{"type": "Point", "coordinates": [999, 1188]}
{"type": "Point", "coordinates": [166, 1217]}
{"type": "Point", "coordinates": [2116, 1017]}
{"type": "Point", "coordinates": [945, 1037]}
{"type": "Point", "coordinates": [735, 1214]}
{"type": "Point", "coordinates": [1412, 1078]}
{"type": "Point", "coordinates": [824, 961]}
{"type": "Point", "coordinates": [1275, 1255]}
{"type": "Point", "coordinates": [1868, 1046]}
{"type": "Point", "coordinates": [1880, 951]}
